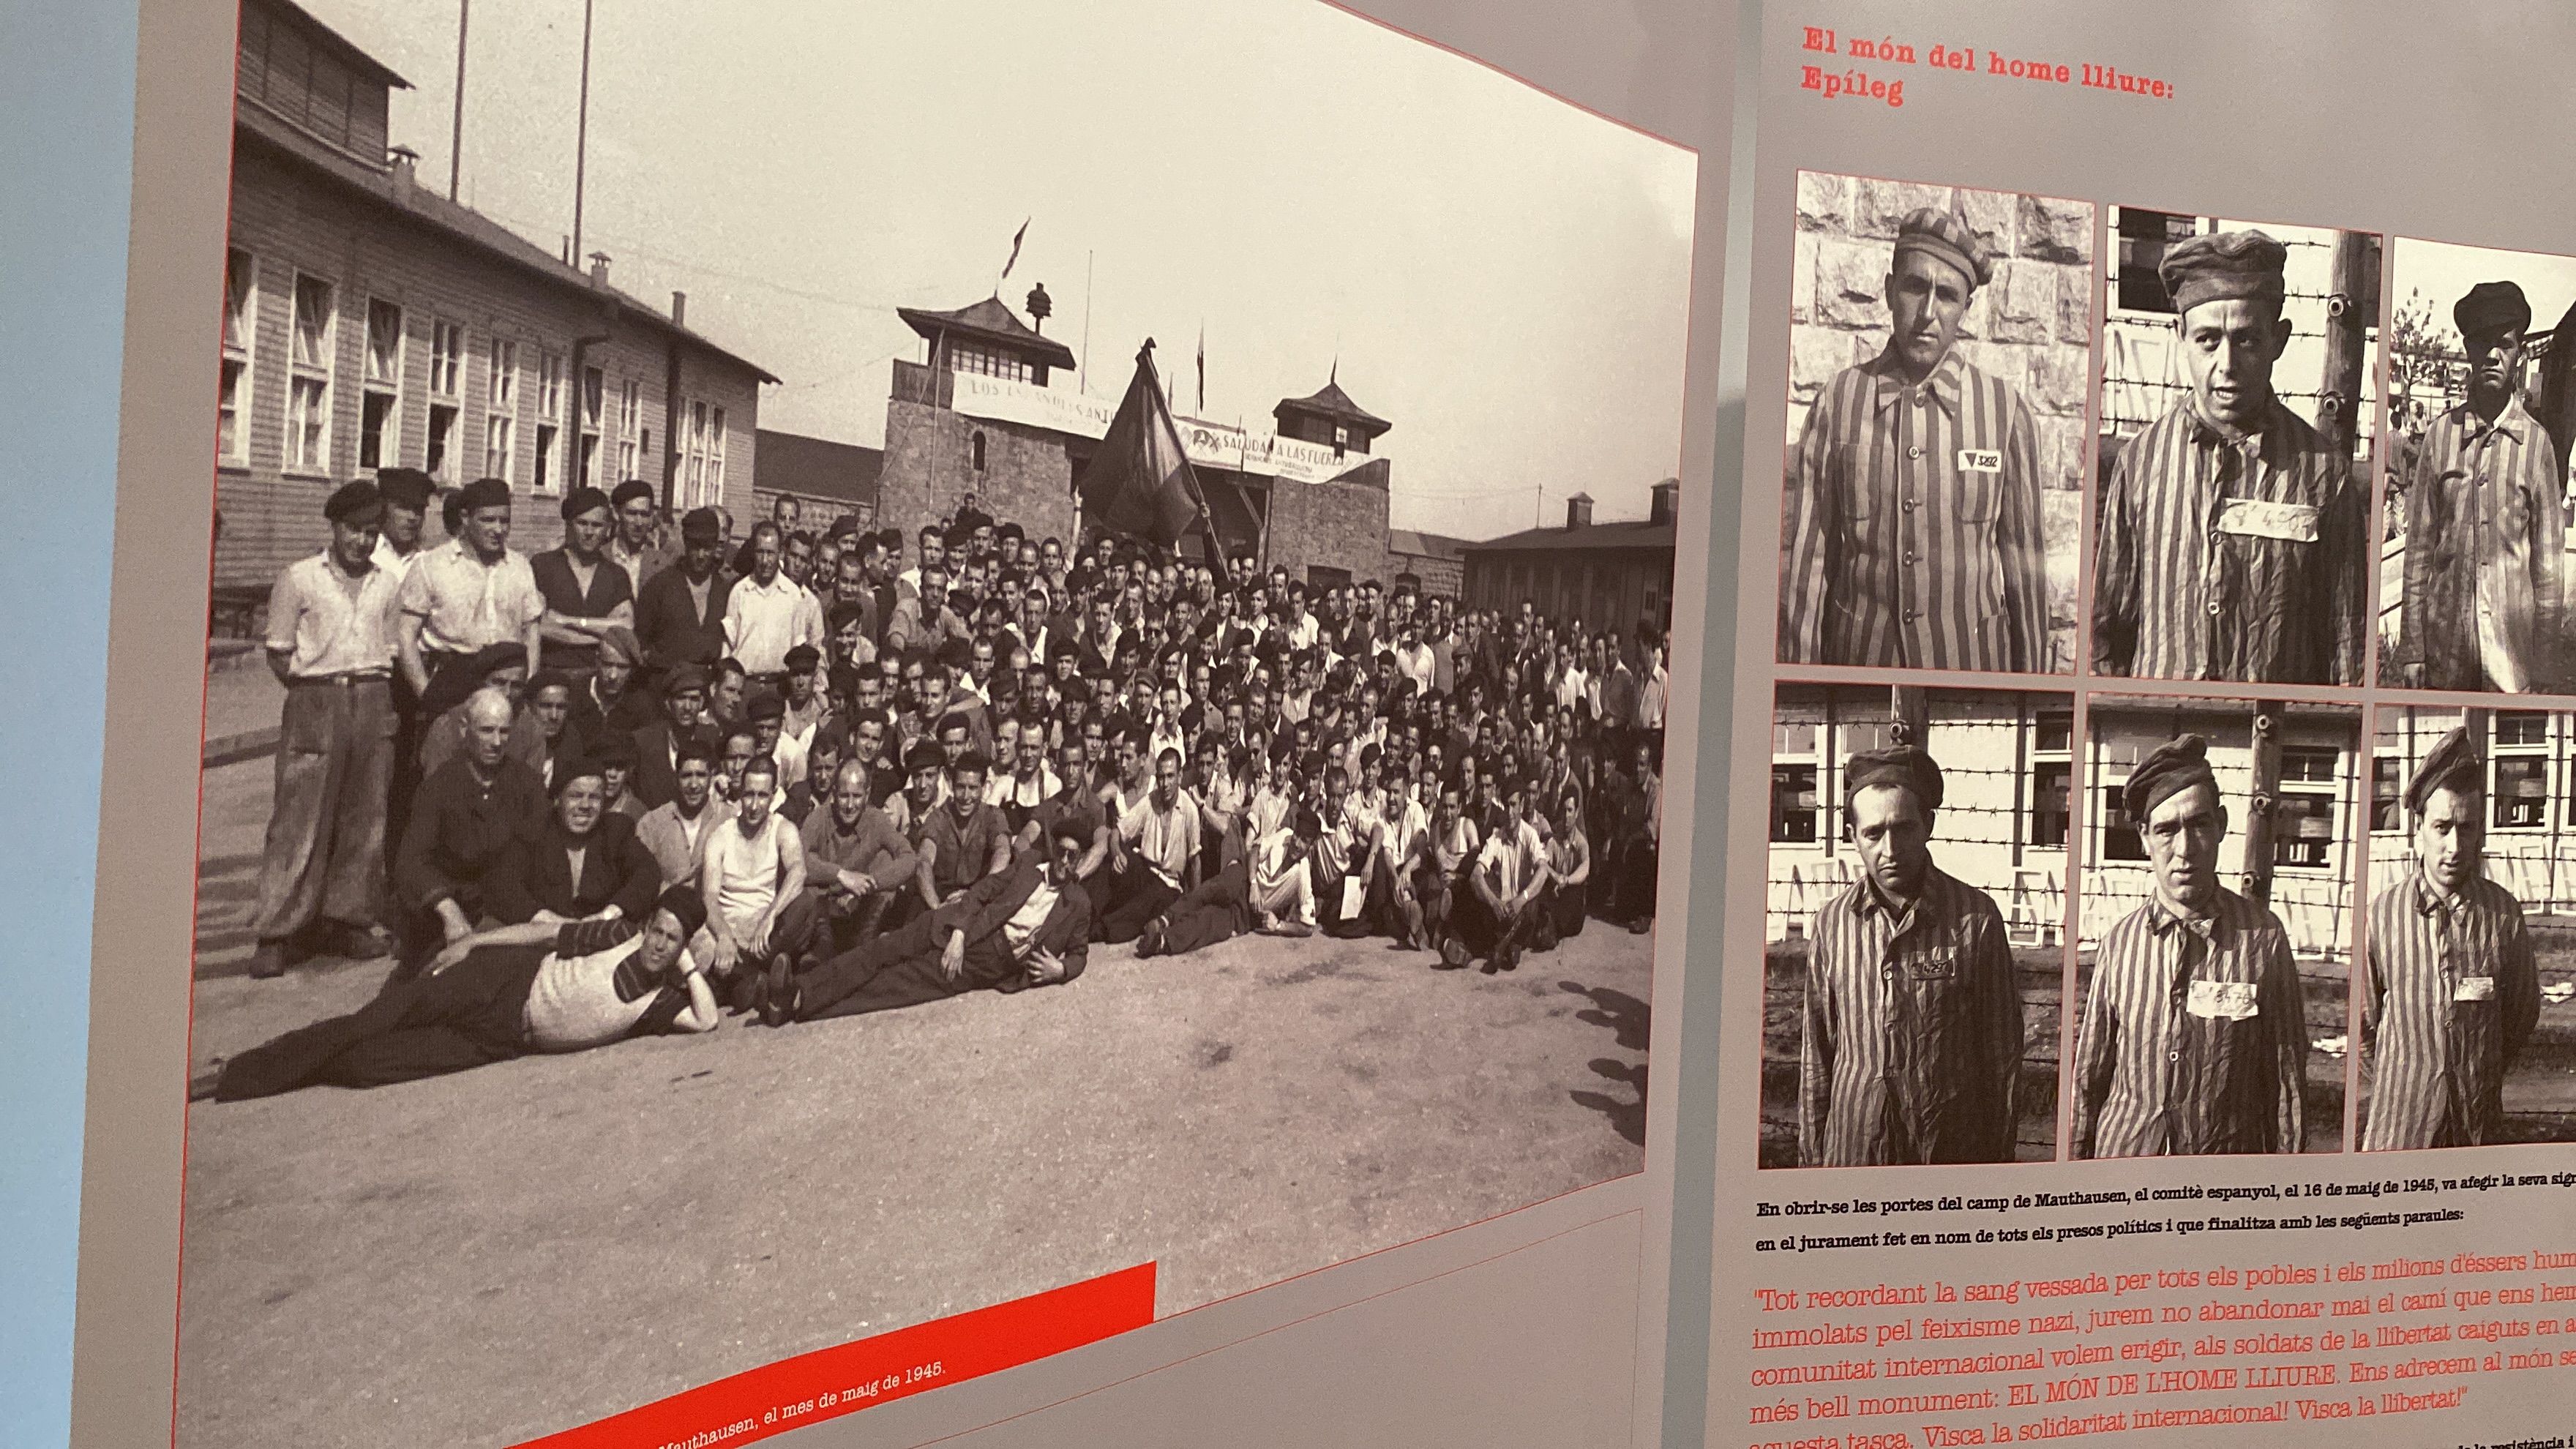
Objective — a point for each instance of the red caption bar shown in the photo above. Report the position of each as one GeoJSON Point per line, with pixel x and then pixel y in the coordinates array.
{"type": "Point", "coordinates": [829, 1382]}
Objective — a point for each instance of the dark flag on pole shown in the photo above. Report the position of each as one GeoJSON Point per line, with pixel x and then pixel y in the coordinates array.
{"type": "Point", "coordinates": [1017, 237]}
{"type": "Point", "coordinates": [1139, 483]}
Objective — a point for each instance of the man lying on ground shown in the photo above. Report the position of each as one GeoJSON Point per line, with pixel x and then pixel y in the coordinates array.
{"type": "Point", "coordinates": [492, 996]}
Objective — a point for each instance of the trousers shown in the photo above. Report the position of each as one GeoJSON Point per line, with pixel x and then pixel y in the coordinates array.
{"type": "Point", "coordinates": [325, 850]}
{"type": "Point", "coordinates": [900, 968]}
{"type": "Point", "coordinates": [468, 1015]}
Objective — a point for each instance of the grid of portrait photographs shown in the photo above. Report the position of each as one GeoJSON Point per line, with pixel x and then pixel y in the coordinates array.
{"type": "Point", "coordinates": [2120, 806]}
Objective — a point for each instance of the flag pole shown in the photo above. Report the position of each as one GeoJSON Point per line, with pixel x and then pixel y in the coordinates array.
{"type": "Point", "coordinates": [1082, 364]}
{"type": "Point", "coordinates": [456, 127]}
{"type": "Point", "coordinates": [581, 136]}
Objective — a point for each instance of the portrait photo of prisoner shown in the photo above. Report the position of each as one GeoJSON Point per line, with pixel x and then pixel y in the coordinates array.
{"type": "Point", "coordinates": [2467, 1036]}
{"type": "Point", "coordinates": [2230, 539]}
{"type": "Point", "coordinates": [2473, 584]}
{"type": "Point", "coordinates": [2214, 958]}
{"type": "Point", "coordinates": [1917, 919]}
{"type": "Point", "coordinates": [1939, 343]}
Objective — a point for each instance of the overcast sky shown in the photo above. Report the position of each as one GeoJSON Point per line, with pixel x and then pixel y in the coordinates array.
{"type": "Point", "coordinates": [1504, 277]}
{"type": "Point", "coordinates": [2443, 272]}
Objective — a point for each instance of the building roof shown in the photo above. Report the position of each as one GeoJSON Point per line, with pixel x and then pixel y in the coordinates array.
{"type": "Point", "coordinates": [1332, 402]}
{"type": "Point", "coordinates": [990, 320]}
{"type": "Point", "coordinates": [1628, 533]}
{"type": "Point", "coordinates": [1424, 545]}
{"type": "Point", "coordinates": [389, 187]}
{"type": "Point", "coordinates": [815, 467]}
{"type": "Point", "coordinates": [339, 45]}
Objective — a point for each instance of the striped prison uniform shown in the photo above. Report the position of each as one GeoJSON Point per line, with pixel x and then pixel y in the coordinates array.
{"type": "Point", "coordinates": [2452, 998]}
{"type": "Point", "coordinates": [1912, 1044]}
{"type": "Point", "coordinates": [2485, 536]}
{"type": "Point", "coordinates": [2194, 1038]}
{"type": "Point", "coordinates": [1911, 527]}
{"type": "Point", "coordinates": [2225, 556]}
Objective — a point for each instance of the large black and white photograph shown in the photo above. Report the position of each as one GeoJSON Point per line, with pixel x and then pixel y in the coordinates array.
{"type": "Point", "coordinates": [2474, 511]}
{"type": "Point", "coordinates": [754, 797]}
{"type": "Point", "coordinates": [2240, 372]}
{"type": "Point", "coordinates": [2214, 959]}
{"type": "Point", "coordinates": [1918, 905]}
{"type": "Point", "coordinates": [1939, 354]}
{"type": "Point", "coordinates": [2468, 1037]}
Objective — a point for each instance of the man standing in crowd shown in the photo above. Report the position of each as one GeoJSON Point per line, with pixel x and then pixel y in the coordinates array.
{"type": "Point", "coordinates": [2194, 1038]}
{"type": "Point", "coordinates": [2454, 992]}
{"type": "Point", "coordinates": [1912, 1031]}
{"type": "Point", "coordinates": [330, 642]}
{"type": "Point", "coordinates": [768, 613]}
{"type": "Point", "coordinates": [1911, 534]}
{"type": "Point", "coordinates": [585, 594]}
{"type": "Point", "coordinates": [2486, 536]}
{"type": "Point", "coordinates": [2231, 538]}
{"type": "Point", "coordinates": [638, 547]}
{"type": "Point", "coordinates": [681, 612]}
{"type": "Point", "coordinates": [458, 602]}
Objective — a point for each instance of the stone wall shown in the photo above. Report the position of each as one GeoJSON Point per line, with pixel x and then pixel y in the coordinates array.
{"type": "Point", "coordinates": [930, 452]}
{"type": "Point", "coordinates": [1338, 524]}
{"type": "Point", "coordinates": [2031, 325]}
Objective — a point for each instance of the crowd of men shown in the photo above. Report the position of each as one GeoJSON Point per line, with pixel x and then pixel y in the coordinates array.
{"type": "Point", "coordinates": [808, 775]}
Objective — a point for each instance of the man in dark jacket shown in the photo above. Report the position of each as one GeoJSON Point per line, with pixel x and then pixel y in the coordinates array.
{"type": "Point", "coordinates": [1026, 926]}
{"type": "Point", "coordinates": [679, 613]}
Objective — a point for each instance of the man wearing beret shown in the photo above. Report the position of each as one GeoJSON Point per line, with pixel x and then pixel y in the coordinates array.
{"type": "Point", "coordinates": [331, 643]}
{"type": "Point", "coordinates": [405, 494]}
{"type": "Point", "coordinates": [637, 546]}
{"type": "Point", "coordinates": [2230, 541]}
{"type": "Point", "coordinates": [2453, 993]}
{"type": "Point", "coordinates": [2485, 529]}
{"type": "Point", "coordinates": [457, 602]}
{"type": "Point", "coordinates": [658, 745]}
{"type": "Point", "coordinates": [768, 613]}
{"type": "Point", "coordinates": [1912, 1041]}
{"type": "Point", "coordinates": [585, 593]}
{"type": "Point", "coordinates": [680, 613]}
{"type": "Point", "coordinates": [1911, 533]}
{"type": "Point", "coordinates": [2193, 1039]}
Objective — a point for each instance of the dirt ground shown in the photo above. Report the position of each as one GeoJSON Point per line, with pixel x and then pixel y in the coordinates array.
{"type": "Point", "coordinates": [488, 1256]}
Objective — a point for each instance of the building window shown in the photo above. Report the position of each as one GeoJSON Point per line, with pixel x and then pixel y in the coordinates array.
{"type": "Point", "coordinates": [693, 457]}
{"type": "Point", "coordinates": [2387, 793]}
{"type": "Point", "coordinates": [2051, 803]}
{"type": "Point", "coordinates": [2305, 833]}
{"type": "Point", "coordinates": [594, 401]}
{"type": "Point", "coordinates": [977, 448]}
{"type": "Point", "coordinates": [1793, 804]}
{"type": "Point", "coordinates": [308, 410]}
{"type": "Point", "coordinates": [715, 455]}
{"type": "Point", "coordinates": [380, 410]}
{"type": "Point", "coordinates": [987, 362]}
{"type": "Point", "coordinates": [2120, 838]}
{"type": "Point", "coordinates": [2144, 237]}
{"type": "Point", "coordinates": [630, 419]}
{"type": "Point", "coordinates": [232, 382]}
{"type": "Point", "coordinates": [550, 387]}
{"type": "Point", "coordinates": [446, 367]}
{"type": "Point", "coordinates": [501, 421]}
{"type": "Point", "coordinates": [2521, 790]}
{"type": "Point", "coordinates": [1341, 439]}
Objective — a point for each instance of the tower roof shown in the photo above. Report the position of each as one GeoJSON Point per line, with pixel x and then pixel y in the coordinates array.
{"type": "Point", "coordinates": [1332, 402]}
{"type": "Point", "coordinates": [991, 321]}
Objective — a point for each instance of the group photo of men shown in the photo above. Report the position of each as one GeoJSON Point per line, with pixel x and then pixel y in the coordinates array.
{"type": "Point", "coordinates": [876, 768]}
{"type": "Point", "coordinates": [2482, 407]}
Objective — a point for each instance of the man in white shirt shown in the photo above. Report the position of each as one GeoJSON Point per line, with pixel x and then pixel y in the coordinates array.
{"type": "Point", "coordinates": [769, 613]}
{"type": "Point", "coordinates": [751, 871]}
{"type": "Point", "coordinates": [1163, 829]}
{"type": "Point", "coordinates": [1413, 658]}
{"type": "Point", "coordinates": [1498, 912]}
{"type": "Point", "coordinates": [330, 642]}
{"type": "Point", "coordinates": [456, 603]}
